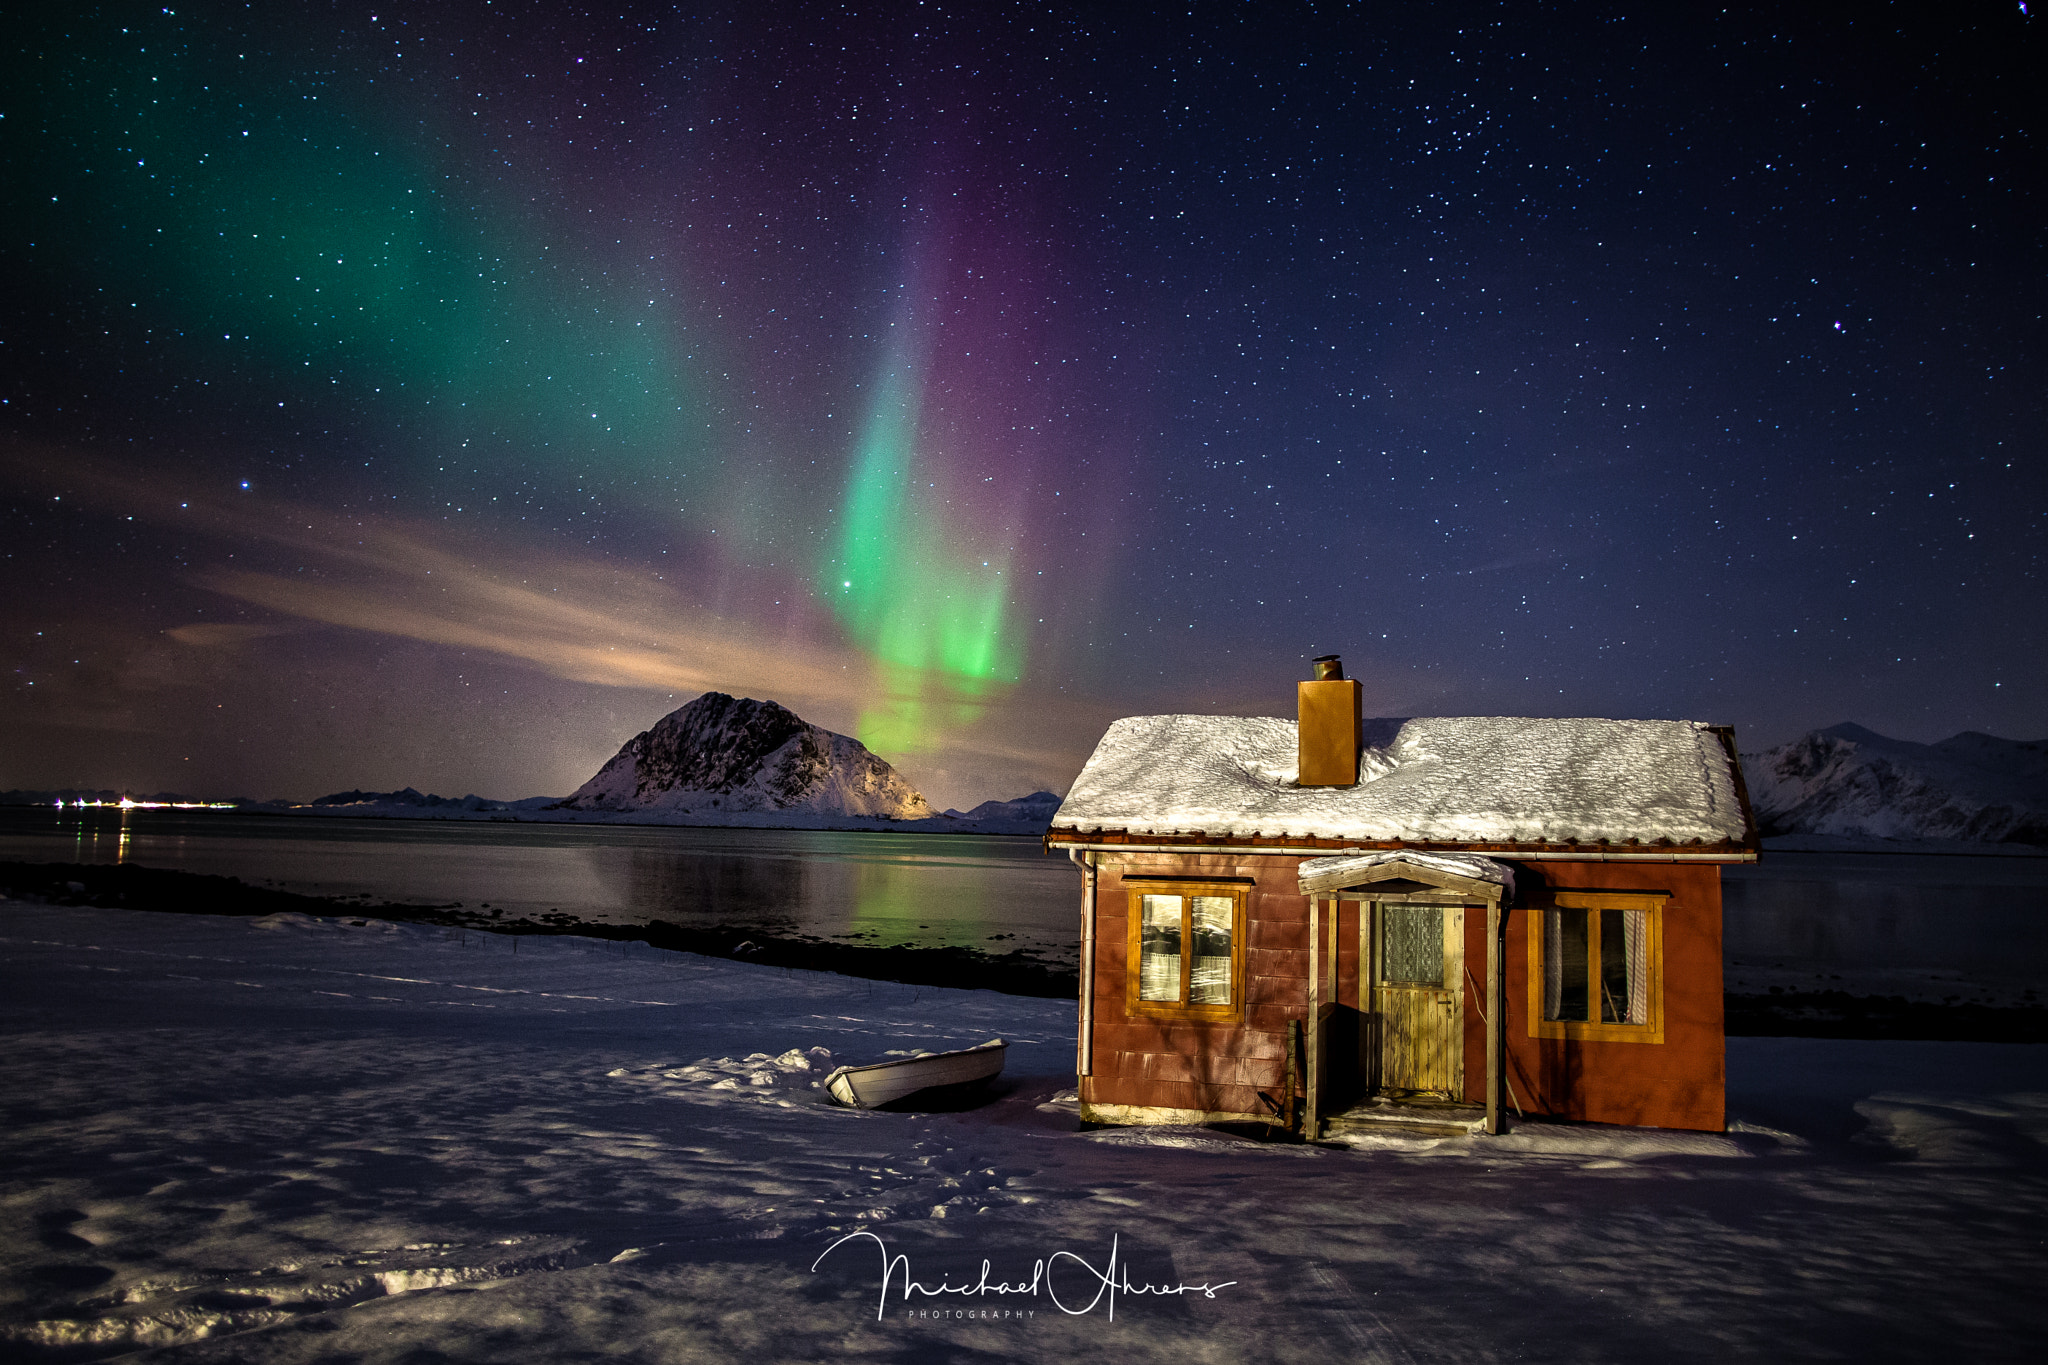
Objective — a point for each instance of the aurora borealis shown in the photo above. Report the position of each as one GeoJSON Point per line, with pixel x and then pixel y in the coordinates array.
{"type": "Point", "coordinates": [437, 395]}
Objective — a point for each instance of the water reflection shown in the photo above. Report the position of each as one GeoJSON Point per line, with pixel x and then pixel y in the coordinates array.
{"type": "Point", "coordinates": [924, 900]}
{"type": "Point", "coordinates": [1979, 918]}
{"type": "Point", "coordinates": [99, 837]}
{"type": "Point", "coordinates": [881, 889]}
{"type": "Point", "coordinates": [712, 889]}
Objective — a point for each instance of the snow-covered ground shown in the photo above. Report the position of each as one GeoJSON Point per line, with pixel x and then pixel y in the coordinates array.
{"type": "Point", "coordinates": [316, 1140]}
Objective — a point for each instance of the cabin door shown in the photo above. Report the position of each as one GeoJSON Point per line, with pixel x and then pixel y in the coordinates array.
{"type": "Point", "coordinates": [1419, 969]}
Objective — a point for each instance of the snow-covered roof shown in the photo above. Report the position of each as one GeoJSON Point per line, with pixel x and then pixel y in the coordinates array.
{"type": "Point", "coordinates": [1433, 780]}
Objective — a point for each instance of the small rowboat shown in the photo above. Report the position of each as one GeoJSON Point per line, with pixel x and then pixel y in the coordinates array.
{"type": "Point", "coordinates": [865, 1087]}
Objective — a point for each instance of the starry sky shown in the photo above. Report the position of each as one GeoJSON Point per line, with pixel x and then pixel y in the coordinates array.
{"type": "Point", "coordinates": [439, 394]}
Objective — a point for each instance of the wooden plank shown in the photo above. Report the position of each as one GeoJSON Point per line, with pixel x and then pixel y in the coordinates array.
{"type": "Point", "coordinates": [1272, 968]}
{"type": "Point", "coordinates": [1201, 1068]}
{"type": "Point", "coordinates": [1312, 1117]}
{"type": "Point", "coordinates": [1084, 1042]}
{"type": "Point", "coordinates": [1140, 1033]}
{"type": "Point", "coordinates": [1496, 1027]}
{"type": "Point", "coordinates": [1268, 932]}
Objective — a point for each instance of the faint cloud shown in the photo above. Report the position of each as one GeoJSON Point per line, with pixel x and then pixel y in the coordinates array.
{"type": "Point", "coordinates": [582, 618]}
{"type": "Point", "coordinates": [214, 635]}
{"type": "Point", "coordinates": [1526, 560]}
{"type": "Point", "coordinates": [588, 623]}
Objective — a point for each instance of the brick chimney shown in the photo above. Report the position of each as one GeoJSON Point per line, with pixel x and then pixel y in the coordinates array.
{"type": "Point", "coordinates": [1332, 728]}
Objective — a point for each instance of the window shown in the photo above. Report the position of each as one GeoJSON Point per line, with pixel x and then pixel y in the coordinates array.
{"type": "Point", "coordinates": [1596, 966]}
{"type": "Point", "coordinates": [1186, 949]}
{"type": "Point", "coordinates": [1412, 945]}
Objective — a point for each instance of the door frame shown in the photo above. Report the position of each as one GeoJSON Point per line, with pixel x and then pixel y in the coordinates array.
{"type": "Point", "coordinates": [1394, 880]}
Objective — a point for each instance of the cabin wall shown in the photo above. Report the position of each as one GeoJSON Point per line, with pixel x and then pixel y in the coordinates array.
{"type": "Point", "coordinates": [1214, 1071]}
{"type": "Point", "coordinates": [1679, 1083]}
{"type": "Point", "coordinates": [1210, 1069]}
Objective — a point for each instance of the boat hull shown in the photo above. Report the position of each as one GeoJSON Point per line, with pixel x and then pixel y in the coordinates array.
{"type": "Point", "coordinates": [866, 1087]}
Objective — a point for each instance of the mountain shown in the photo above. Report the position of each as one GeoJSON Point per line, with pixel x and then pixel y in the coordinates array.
{"type": "Point", "coordinates": [1023, 814]}
{"type": "Point", "coordinates": [409, 797]}
{"type": "Point", "coordinates": [1853, 782]}
{"type": "Point", "coordinates": [724, 754]}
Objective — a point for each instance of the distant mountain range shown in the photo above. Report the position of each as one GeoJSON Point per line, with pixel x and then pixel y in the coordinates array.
{"type": "Point", "coordinates": [733, 760]}
{"type": "Point", "coordinates": [1854, 783]}
{"type": "Point", "coordinates": [1036, 809]}
{"type": "Point", "coordinates": [341, 802]}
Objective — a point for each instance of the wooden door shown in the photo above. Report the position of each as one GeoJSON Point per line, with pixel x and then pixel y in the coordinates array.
{"type": "Point", "coordinates": [1419, 969]}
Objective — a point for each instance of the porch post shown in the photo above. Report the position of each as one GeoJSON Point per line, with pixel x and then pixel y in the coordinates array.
{"type": "Point", "coordinates": [1084, 1041]}
{"type": "Point", "coordinates": [1313, 1079]}
{"type": "Point", "coordinates": [1496, 1026]}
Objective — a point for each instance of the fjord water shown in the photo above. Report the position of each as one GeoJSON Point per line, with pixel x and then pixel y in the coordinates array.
{"type": "Point", "coordinates": [1922, 925]}
{"type": "Point", "coordinates": [1927, 926]}
{"type": "Point", "coordinates": [979, 891]}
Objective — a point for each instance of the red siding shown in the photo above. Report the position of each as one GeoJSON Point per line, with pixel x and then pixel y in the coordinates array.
{"type": "Point", "coordinates": [1218, 1067]}
{"type": "Point", "coordinates": [1213, 1067]}
{"type": "Point", "coordinates": [1679, 1083]}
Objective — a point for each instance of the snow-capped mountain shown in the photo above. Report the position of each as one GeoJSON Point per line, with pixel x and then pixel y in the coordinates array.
{"type": "Point", "coordinates": [1852, 782]}
{"type": "Point", "coordinates": [1023, 814]}
{"type": "Point", "coordinates": [721, 754]}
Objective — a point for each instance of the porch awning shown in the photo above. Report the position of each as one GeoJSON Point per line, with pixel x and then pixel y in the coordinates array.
{"type": "Point", "coordinates": [1466, 872]}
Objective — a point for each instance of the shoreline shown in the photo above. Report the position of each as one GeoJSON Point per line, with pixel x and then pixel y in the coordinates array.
{"type": "Point", "coordinates": [1020, 972]}
{"type": "Point", "coordinates": [131, 886]}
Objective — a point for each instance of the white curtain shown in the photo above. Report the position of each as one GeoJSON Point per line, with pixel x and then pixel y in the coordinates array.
{"type": "Point", "coordinates": [1209, 973]}
{"type": "Point", "coordinates": [1159, 949]}
{"type": "Point", "coordinates": [1635, 926]}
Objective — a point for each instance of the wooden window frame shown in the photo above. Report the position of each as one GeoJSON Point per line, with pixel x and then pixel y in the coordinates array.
{"type": "Point", "coordinates": [1240, 895]}
{"type": "Point", "coordinates": [1652, 905]}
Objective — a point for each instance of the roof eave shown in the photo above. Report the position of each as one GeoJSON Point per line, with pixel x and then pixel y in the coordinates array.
{"type": "Point", "coordinates": [1659, 851]}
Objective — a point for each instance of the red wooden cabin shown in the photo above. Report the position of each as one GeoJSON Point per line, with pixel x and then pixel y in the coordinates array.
{"type": "Point", "coordinates": [1434, 922]}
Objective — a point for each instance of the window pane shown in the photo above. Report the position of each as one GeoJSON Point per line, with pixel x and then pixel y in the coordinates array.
{"type": "Point", "coordinates": [1624, 988]}
{"type": "Point", "coordinates": [1565, 965]}
{"type": "Point", "coordinates": [1209, 977]}
{"type": "Point", "coordinates": [1159, 949]}
{"type": "Point", "coordinates": [1412, 945]}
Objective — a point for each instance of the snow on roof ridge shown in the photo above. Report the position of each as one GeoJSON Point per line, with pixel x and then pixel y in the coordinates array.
{"type": "Point", "coordinates": [1424, 779]}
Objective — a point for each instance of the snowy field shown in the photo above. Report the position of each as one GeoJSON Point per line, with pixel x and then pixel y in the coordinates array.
{"type": "Point", "coordinates": [301, 1140]}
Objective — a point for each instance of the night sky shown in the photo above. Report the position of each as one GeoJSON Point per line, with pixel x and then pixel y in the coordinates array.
{"type": "Point", "coordinates": [439, 394]}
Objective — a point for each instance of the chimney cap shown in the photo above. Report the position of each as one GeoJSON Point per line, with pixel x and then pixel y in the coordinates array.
{"type": "Point", "coordinates": [1329, 668]}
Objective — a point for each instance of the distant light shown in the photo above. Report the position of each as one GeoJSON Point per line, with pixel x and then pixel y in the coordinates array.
{"type": "Point", "coordinates": [245, 483]}
{"type": "Point", "coordinates": [129, 803]}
